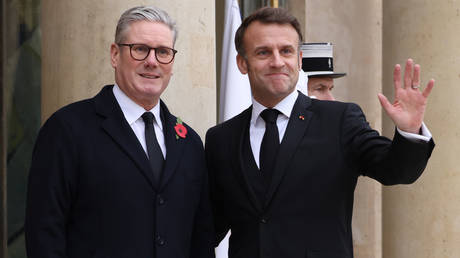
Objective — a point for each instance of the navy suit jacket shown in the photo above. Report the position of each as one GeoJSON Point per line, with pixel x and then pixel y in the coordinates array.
{"type": "Point", "coordinates": [308, 207]}
{"type": "Point", "coordinates": [91, 191]}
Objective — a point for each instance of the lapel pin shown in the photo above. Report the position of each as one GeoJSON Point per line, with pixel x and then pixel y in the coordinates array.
{"type": "Point", "coordinates": [301, 117]}
{"type": "Point", "coordinates": [181, 131]}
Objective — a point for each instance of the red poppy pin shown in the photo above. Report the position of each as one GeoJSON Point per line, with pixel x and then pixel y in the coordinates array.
{"type": "Point", "coordinates": [301, 117]}
{"type": "Point", "coordinates": [181, 131]}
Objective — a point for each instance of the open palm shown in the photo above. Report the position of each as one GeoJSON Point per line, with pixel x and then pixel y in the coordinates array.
{"type": "Point", "coordinates": [409, 105]}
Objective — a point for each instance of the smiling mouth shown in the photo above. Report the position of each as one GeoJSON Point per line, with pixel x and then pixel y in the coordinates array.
{"type": "Point", "coordinates": [277, 74]}
{"type": "Point", "coordinates": [150, 76]}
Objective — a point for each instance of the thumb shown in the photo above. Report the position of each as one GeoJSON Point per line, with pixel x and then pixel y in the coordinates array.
{"type": "Point", "coordinates": [385, 104]}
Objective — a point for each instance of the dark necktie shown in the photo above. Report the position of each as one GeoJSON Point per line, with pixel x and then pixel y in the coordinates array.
{"type": "Point", "coordinates": [153, 148]}
{"type": "Point", "coordinates": [270, 144]}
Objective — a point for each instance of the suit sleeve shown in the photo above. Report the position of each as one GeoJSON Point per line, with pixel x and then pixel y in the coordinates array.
{"type": "Point", "coordinates": [400, 161]}
{"type": "Point", "coordinates": [221, 223]}
{"type": "Point", "coordinates": [203, 230]}
{"type": "Point", "coordinates": [49, 193]}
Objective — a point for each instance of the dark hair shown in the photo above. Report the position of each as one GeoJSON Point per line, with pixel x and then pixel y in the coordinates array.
{"type": "Point", "coordinates": [266, 15]}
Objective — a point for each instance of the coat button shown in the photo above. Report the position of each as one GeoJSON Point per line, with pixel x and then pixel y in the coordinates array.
{"type": "Point", "coordinates": [263, 221]}
{"type": "Point", "coordinates": [160, 241]}
{"type": "Point", "coordinates": [161, 201]}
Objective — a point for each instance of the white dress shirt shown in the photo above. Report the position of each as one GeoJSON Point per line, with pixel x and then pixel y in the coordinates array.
{"type": "Point", "coordinates": [133, 115]}
{"type": "Point", "coordinates": [257, 124]}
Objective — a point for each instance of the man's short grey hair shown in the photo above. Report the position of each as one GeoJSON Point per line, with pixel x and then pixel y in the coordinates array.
{"type": "Point", "coordinates": [143, 13]}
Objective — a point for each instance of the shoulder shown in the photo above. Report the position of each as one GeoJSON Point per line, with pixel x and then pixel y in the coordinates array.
{"type": "Point", "coordinates": [74, 109]}
{"type": "Point", "coordinates": [70, 114]}
{"type": "Point", "coordinates": [193, 135]}
{"type": "Point", "coordinates": [180, 128]}
{"type": "Point", "coordinates": [231, 126]}
{"type": "Point", "coordinates": [335, 108]}
{"type": "Point", "coordinates": [78, 114]}
{"type": "Point", "coordinates": [332, 105]}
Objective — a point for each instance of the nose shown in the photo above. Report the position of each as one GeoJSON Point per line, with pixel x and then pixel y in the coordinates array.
{"type": "Point", "coordinates": [329, 96]}
{"type": "Point", "coordinates": [151, 59]}
{"type": "Point", "coordinates": [276, 60]}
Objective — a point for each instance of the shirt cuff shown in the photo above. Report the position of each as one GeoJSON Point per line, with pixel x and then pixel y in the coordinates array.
{"type": "Point", "coordinates": [424, 136]}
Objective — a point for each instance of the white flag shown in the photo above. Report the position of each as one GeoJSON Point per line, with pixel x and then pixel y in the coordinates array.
{"type": "Point", "coordinates": [235, 93]}
{"type": "Point", "coordinates": [302, 82]}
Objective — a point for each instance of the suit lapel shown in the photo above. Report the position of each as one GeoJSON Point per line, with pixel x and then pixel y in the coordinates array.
{"type": "Point", "coordinates": [295, 131]}
{"type": "Point", "coordinates": [239, 166]}
{"type": "Point", "coordinates": [118, 128]}
{"type": "Point", "coordinates": [174, 146]}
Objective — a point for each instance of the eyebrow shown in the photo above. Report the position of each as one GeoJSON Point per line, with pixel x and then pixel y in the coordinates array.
{"type": "Point", "coordinates": [268, 47]}
{"type": "Point", "coordinates": [323, 85]}
{"type": "Point", "coordinates": [160, 46]}
{"type": "Point", "coordinates": [261, 48]}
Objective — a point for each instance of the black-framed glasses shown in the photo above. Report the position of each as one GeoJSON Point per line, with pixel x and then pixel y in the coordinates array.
{"type": "Point", "coordinates": [140, 52]}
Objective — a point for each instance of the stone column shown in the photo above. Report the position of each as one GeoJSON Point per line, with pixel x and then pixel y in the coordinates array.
{"type": "Point", "coordinates": [76, 38]}
{"type": "Point", "coordinates": [423, 220]}
{"type": "Point", "coordinates": [354, 27]}
{"type": "Point", "coordinates": [297, 8]}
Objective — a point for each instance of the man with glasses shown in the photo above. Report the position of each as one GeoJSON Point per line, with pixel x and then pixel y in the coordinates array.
{"type": "Point", "coordinates": [117, 175]}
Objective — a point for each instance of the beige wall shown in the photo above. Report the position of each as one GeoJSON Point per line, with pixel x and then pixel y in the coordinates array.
{"type": "Point", "coordinates": [354, 27]}
{"type": "Point", "coordinates": [76, 36]}
{"type": "Point", "coordinates": [423, 220]}
{"type": "Point", "coordinates": [297, 8]}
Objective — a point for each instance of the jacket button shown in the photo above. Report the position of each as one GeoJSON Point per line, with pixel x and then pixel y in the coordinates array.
{"type": "Point", "coordinates": [161, 201]}
{"type": "Point", "coordinates": [160, 241]}
{"type": "Point", "coordinates": [263, 221]}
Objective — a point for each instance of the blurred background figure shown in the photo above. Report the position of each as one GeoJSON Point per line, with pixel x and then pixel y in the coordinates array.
{"type": "Point", "coordinates": [316, 79]}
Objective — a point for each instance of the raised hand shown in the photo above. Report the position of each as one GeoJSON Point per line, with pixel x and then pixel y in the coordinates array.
{"type": "Point", "coordinates": [409, 106]}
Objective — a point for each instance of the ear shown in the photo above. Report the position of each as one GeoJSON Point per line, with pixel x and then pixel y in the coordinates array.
{"type": "Point", "coordinates": [242, 64]}
{"type": "Point", "coordinates": [114, 54]}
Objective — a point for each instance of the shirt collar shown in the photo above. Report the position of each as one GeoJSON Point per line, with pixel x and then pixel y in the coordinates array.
{"type": "Point", "coordinates": [131, 110]}
{"type": "Point", "coordinates": [285, 106]}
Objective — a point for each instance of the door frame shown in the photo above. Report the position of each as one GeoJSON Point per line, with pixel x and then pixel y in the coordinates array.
{"type": "Point", "coordinates": [3, 144]}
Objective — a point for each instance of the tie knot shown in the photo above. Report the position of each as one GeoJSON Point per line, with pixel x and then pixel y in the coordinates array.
{"type": "Point", "coordinates": [148, 117]}
{"type": "Point", "coordinates": [270, 115]}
